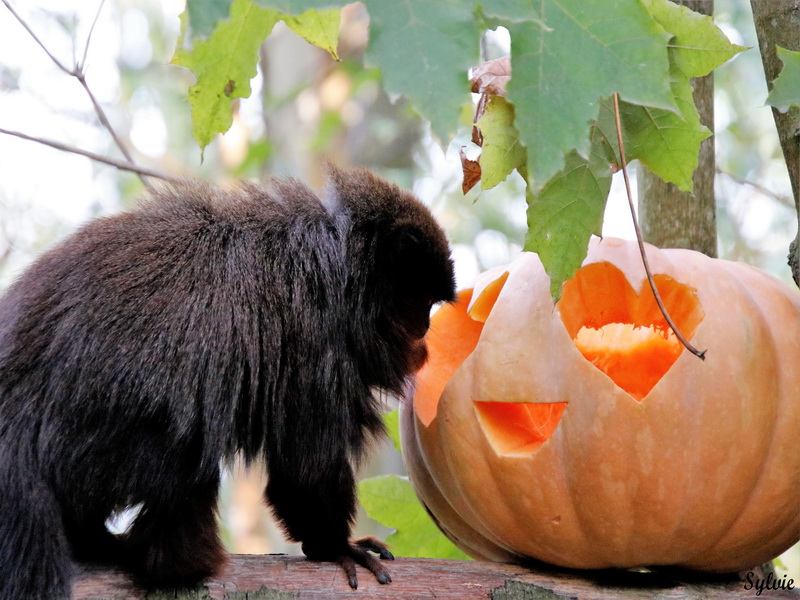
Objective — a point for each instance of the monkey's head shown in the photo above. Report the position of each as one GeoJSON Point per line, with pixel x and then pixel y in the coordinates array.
{"type": "Point", "coordinates": [400, 266]}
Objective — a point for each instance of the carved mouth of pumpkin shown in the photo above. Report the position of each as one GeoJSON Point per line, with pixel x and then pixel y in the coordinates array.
{"type": "Point", "coordinates": [623, 333]}
{"type": "Point", "coordinates": [518, 428]}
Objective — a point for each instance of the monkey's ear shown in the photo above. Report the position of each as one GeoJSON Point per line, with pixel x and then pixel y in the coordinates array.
{"type": "Point", "coordinates": [359, 191]}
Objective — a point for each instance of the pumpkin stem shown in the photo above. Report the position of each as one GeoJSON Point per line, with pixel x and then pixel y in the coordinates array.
{"type": "Point", "coordinates": [701, 354]}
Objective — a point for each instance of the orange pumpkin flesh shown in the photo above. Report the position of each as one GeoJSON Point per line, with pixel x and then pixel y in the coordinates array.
{"type": "Point", "coordinates": [585, 436]}
{"type": "Point", "coordinates": [634, 357]}
{"type": "Point", "coordinates": [452, 337]}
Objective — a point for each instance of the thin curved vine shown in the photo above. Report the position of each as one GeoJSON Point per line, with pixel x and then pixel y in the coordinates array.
{"type": "Point", "coordinates": [701, 354]}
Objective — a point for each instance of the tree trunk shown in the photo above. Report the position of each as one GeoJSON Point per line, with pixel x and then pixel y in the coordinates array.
{"type": "Point", "coordinates": [670, 218]}
{"type": "Point", "coordinates": [778, 23]}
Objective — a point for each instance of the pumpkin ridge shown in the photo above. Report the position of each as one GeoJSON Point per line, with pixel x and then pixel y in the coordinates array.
{"type": "Point", "coordinates": [452, 484]}
{"type": "Point", "coordinates": [711, 542]}
{"type": "Point", "coordinates": [580, 523]}
{"type": "Point", "coordinates": [760, 471]}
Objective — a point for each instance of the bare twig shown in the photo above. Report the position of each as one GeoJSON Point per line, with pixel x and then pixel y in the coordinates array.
{"type": "Point", "coordinates": [79, 73]}
{"type": "Point", "coordinates": [81, 66]}
{"type": "Point", "coordinates": [22, 22]}
{"type": "Point", "coordinates": [123, 165]}
{"type": "Point", "coordinates": [784, 200]}
{"type": "Point", "coordinates": [701, 354]}
{"type": "Point", "coordinates": [103, 119]}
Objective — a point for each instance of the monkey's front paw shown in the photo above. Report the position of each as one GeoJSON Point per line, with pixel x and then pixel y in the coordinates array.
{"type": "Point", "coordinates": [360, 554]}
{"type": "Point", "coordinates": [357, 552]}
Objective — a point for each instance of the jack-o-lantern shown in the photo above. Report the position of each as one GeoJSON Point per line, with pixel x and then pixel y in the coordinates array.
{"type": "Point", "coordinates": [584, 434]}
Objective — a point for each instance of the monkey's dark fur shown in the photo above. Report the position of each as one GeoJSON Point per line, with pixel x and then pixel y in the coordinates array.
{"type": "Point", "coordinates": [152, 346]}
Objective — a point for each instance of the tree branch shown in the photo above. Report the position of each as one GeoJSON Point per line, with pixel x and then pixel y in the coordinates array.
{"type": "Point", "coordinates": [82, 64]}
{"type": "Point", "coordinates": [79, 73]}
{"type": "Point", "coordinates": [780, 198]}
{"type": "Point", "coordinates": [125, 166]}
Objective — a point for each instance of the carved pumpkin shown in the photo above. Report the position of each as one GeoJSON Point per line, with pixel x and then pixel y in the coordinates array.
{"type": "Point", "coordinates": [584, 434]}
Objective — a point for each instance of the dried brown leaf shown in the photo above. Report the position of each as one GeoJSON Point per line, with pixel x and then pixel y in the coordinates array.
{"type": "Point", "coordinates": [472, 172]}
{"type": "Point", "coordinates": [492, 76]}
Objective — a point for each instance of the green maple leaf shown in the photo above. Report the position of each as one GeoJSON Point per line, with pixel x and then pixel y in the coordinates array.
{"type": "Point", "coordinates": [786, 87]}
{"type": "Point", "coordinates": [568, 210]}
{"type": "Point", "coordinates": [569, 55]}
{"type": "Point", "coordinates": [390, 500]}
{"type": "Point", "coordinates": [668, 142]}
{"type": "Point", "coordinates": [424, 49]}
{"type": "Point", "coordinates": [698, 46]}
{"type": "Point", "coordinates": [225, 63]}
{"type": "Point", "coordinates": [318, 27]}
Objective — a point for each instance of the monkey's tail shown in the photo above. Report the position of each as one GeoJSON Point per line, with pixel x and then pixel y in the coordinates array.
{"type": "Point", "coordinates": [34, 552]}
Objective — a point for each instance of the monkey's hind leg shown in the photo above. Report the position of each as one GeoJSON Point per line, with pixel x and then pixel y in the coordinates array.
{"type": "Point", "coordinates": [174, 542]}
{"type": "Point", "coordinates": [34, 553]}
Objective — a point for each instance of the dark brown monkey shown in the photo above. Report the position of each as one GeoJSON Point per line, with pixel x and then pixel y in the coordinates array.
{"type": "Point", "coordinates": [151, 347]}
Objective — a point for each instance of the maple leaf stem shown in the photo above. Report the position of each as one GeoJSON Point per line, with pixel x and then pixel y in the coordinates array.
{"type": "Point", "coordinates": [701, 354]}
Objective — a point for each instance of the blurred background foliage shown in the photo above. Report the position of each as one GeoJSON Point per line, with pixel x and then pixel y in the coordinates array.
{"type": "Point", "coordinates": [306, 108]}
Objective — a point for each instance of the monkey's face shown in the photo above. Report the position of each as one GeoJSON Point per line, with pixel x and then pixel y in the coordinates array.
{"type": "Point", "coordinates": [421, 288]}
{"type": "Point", "coordinates": [413, 318]}
{"type": "Point", "coordinates": [402, 267]}
{"type": "Point", "coordinates": [425, 277]}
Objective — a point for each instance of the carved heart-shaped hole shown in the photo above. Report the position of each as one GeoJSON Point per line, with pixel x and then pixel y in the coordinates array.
{"type": "Point", "coordinates": [624, 333]}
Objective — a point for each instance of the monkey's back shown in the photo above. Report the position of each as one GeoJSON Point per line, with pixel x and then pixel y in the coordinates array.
{"type": "Point", "coordinates": [161, 334]}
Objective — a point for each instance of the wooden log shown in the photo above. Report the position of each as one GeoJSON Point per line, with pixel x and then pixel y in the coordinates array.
{"type": "Point", "coordinates": [281, 577]}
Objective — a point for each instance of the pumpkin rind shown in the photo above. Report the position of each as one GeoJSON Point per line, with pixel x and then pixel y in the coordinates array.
{"type": "Point", "coordinates": [703, 472]}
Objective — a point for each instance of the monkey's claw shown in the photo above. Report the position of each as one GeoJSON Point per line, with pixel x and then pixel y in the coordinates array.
{"type": "Point", "coordinates": [359, 553]}
{"type": "Point", "coordinates": [376, 546]}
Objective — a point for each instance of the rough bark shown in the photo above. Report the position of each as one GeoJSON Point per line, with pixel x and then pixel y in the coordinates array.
{"type": "Point", "coordinates": [277, 577]}
{"type": "Point", "coordinates": [778, 23]}
{"type": "Point", "coordinates": [670, 218]}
